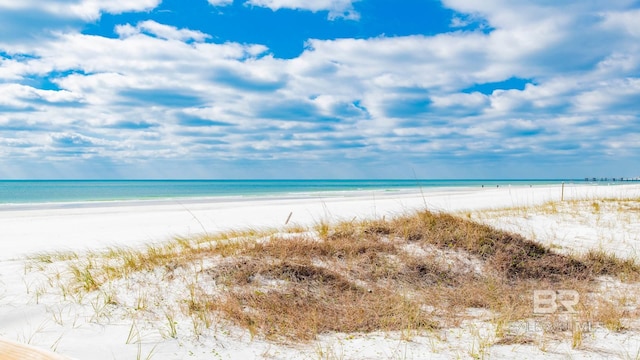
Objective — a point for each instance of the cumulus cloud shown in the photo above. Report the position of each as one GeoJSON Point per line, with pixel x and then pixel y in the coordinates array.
{"type": "Point", "coordinates": [84, 9]}
{"type": "Point", "coordinates": [161, 31]}
{"type": "Point", "coordinates": [220, 2]}
{"type": "Point", "coordinates": [337, 8]}
{"type": "Point", "coordinates": [87, 10]}
{"type": "Point", "coordinates": [561, 84]}
{"type": "Point", "coordinates": [28, 20]}
{"type": "Point", "coordinates": [626, 21]}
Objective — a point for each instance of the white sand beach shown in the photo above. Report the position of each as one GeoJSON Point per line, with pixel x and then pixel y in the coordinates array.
{"type": "Point", "coordinates": [31, 314]}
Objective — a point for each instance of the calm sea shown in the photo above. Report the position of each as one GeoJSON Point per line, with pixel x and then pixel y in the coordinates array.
{"type": "Point", "coordinates": [65, 191]}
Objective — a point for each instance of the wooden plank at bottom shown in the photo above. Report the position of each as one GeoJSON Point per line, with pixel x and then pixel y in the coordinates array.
{"type": "Point", "coordinates": [10, 350]}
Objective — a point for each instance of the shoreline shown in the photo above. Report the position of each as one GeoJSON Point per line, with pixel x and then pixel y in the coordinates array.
{"type": "Point", "coordinates": [197, 199]}
{"type": "Point", "coordinates": [30, 230]}
{"type": "Point", "coordinates": [59, 193]}
{"type": "Point", "coordinates": [295, 195]}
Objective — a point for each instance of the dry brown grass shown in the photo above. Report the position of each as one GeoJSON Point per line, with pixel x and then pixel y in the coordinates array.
{"type": "Point", "coordinates": [415, 272]}
{"type": "Point", "coordinates": [602, 263]}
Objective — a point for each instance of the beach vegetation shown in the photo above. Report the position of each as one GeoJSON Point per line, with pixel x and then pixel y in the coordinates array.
{"type": "Point", "coordinates": [415, 273]}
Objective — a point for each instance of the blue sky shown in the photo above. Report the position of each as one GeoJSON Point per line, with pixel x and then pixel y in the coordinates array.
{"type": "Point", "coordinates": [319, 89]}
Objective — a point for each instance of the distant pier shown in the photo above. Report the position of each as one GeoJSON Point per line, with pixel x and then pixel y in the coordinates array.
{"type": "Point", "coordinates": [613, 179]}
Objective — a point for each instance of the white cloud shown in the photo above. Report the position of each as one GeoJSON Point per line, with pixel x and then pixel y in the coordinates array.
{"type": "Point", "coordinates": [91, 9]}
{"type": "Point", "coordinates": [159, 92]}
{"type": "Point", "coordinates": [27, 21]}
{"type": "Point", "coordinates": [605, 95]}
{"type": "Point", "coordinates": [84, 9]}
{"type": "Point", "coordinates": [22, 96]}
{"type": "Point", "coordinates": [626, 21]}
{"type": "Point", "coordinates": [336, 8]}
{"type": "Point", "coordinates": [460, 100]}
{"type": "Point", "coordinates": [161, 31]}
{"type": "Point", "coordinates": [220, 2]}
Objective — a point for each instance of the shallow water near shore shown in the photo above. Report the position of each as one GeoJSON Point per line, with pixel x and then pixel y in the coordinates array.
{"type": "Point", "coordinates": [74, 191]}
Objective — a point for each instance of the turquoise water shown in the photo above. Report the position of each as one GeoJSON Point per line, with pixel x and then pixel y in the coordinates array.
{"type": "Point", "coordinates": [65, 191]}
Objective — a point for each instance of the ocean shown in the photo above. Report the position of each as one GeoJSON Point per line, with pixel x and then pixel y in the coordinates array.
{"type": "Point", "coordinates": [74, 191]}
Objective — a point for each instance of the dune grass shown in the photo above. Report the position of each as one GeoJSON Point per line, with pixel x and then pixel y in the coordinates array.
{"type": "Point", "coordinates": [417, 272]}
